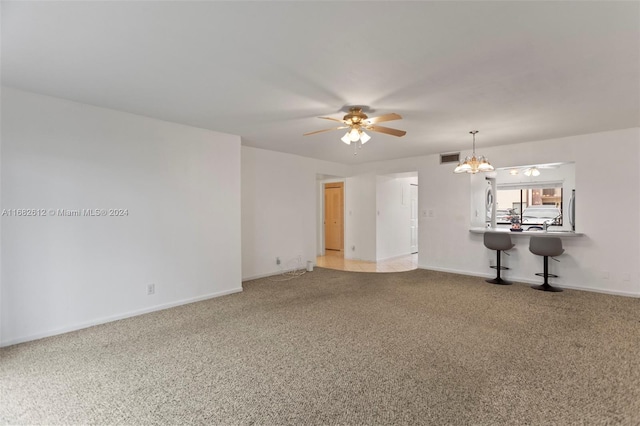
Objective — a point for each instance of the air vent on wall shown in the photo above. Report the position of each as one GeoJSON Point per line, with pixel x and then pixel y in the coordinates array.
{"type": "Point", "coordinates": [450, 158]}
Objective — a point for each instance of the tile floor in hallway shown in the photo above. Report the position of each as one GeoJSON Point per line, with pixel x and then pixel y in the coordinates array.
{"type": "Point", "coordinates": [335, 260]}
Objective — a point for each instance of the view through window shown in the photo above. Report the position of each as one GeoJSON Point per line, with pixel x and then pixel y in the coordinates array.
{"type": "Point", "coordinates": [532, 206]}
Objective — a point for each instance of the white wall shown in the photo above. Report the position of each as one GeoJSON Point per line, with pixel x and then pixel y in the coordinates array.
{"type": "Point", "coordinates": [279, 208]}
{"type": "Point", "coordinates": [360, 218]}
{"type": "Point", "coordinates": [393, 201]}
{"type": "Point", "coordinates": [180, 185]}
{"type": "Point", "coordinates": [605, 259]}
{"type": "Point", "coordinates": [1, 207]}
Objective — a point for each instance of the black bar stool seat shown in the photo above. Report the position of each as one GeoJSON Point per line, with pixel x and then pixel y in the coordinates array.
{"type": "Point", "coordinates": [498, 241]}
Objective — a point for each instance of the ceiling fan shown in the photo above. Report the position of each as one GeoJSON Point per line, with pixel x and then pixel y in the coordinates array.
{"type": "Point", "coordinates": [357, 122]}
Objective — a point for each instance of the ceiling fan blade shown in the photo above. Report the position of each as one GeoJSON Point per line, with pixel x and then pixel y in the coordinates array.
{"type": "Point", "coordinates": [332, 119]}
{"type": "Point", "coordinates": [386, 117]}
{"type": "Point", "coordinates": [325, 130]}
{"type": "Point", "coordinates": [387, 130]}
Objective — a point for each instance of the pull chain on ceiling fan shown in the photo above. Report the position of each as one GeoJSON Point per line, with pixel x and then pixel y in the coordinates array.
{"type": "Point", "coordinates": [357, 122]}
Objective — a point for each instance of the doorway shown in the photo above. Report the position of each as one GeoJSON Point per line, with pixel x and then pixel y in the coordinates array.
{"type": "Point", "coordinates": [334, 216]}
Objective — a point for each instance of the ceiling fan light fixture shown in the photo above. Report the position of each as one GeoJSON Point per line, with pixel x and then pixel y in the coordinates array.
{"type": "Point", "coordinates": [354, 134]}
{"type": "Point", "coordinates": [356, 121]}
{"type": "Point", "coordinates": [474, 164]}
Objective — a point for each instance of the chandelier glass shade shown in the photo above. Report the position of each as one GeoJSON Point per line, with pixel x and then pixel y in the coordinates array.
{"type": "Point", "coordinates": [533, 171]}
{"type": "Point", "coordinates": [474, 163]}
{"type": "Point", "coordinates": [355, 135]}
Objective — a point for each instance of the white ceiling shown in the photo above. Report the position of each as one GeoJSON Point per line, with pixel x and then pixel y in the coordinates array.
{"type": "Point", "coordinates": [515, 71]}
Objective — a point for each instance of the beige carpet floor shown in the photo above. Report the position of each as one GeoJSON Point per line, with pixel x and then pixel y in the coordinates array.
{"type": "Point", "coordinates": [343, 348]}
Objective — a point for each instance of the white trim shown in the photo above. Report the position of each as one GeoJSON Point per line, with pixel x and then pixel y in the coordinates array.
{"type": "Point", "coordinates": [395, 257]}
{"type": "Point", "coordinates": [598, 290]}
{"type": "Point", "coordinates": [455, 271]}
{"type": "Point", "coordinates": [117, 317]}
{"type": "Point", "coordinates": [271, 274]}
{"type": "Point", "coordinates": [531, 185]}
{"type": "Point", "coordinates": [320, 207]}
{"type": "Point", "coordinates": [519, 280]}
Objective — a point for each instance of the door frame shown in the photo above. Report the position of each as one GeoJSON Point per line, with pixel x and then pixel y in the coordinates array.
{"type": "Point", "coordinates": [321, 224]}
{"type": "Point", "coordinates": [334, 185]}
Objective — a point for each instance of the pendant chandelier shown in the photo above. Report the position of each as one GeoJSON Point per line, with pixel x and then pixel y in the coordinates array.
{"type": "Point", "coordinates": [474, 164]}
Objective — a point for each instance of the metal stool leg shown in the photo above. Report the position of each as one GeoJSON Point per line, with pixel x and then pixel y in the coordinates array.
{"type": "Point", "coordinates": [545, 286]}
{"type": "Point", "coordinates": [497, 279]}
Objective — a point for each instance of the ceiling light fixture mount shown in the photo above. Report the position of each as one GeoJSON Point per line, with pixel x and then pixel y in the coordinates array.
{"type": "Point", "coordinates": [474, 164]}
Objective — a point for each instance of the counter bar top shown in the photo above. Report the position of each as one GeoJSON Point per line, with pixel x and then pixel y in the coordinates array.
{"type": "Point", "coordinates": [557, 233]}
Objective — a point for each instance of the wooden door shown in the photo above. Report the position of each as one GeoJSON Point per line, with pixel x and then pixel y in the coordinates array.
{"type": "Point", "coordinates": [334, 216]}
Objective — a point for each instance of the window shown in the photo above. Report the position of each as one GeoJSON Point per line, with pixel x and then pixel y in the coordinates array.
{"type": "Point", "coordinates": [532, 204]}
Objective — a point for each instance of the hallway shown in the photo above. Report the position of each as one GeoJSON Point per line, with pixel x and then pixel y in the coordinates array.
{"type": "Point", "coordinates": [336, 260]}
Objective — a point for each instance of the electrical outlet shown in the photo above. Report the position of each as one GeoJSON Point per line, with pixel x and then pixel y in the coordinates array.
{"type": "Point", "coordinates": [151, 289]}
{"type": "Point", "coordinates": [277, 260]}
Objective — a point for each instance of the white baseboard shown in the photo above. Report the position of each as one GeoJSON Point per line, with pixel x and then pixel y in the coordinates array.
{"type": "Point", "coordinates": [530, 281]}
{"type": "Point", "coordinates": [455, 271]}
{"type": "Point", "coordinates": [257, 277]}
{"type": "Point", "coordinates": [395, 257]}
{"type": "Point", "coordinates": [595, 290]}
{"type": "Point", "coordinates": [117, 317]}
{"type": "Point", "coordinates": [271, 274]}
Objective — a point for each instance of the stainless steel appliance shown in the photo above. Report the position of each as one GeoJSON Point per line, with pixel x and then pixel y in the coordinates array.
{"type": "Point", "coordinates": [572, 210]}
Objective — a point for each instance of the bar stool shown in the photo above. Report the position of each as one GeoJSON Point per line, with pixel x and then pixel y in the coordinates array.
{"type": "Point", "coordinates": [547, 247]}
{"type": "Point", "coordinates": [498, 241]}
